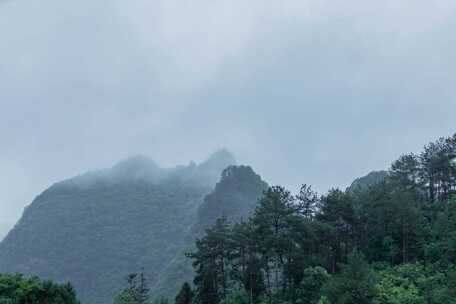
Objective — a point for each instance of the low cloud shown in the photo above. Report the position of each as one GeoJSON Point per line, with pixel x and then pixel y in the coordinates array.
{"type": "Point", "coordinates": [315, 92]}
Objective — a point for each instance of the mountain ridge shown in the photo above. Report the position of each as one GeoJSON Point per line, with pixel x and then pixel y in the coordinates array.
{"type": "Point", "coordinates": [95, 228]}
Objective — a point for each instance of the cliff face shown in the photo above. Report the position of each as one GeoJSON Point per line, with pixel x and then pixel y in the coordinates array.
{"type": "Point", "coordinates": [94, 229]}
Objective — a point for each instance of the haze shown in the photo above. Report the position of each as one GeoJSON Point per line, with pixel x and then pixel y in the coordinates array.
{"type": "Point", "coordinates": [315, 92]}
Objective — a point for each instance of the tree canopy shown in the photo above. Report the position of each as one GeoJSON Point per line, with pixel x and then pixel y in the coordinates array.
{"type": "Point", "coordinates": [389, 238]}
{"type": "Point", "coordinates": [16, 289]}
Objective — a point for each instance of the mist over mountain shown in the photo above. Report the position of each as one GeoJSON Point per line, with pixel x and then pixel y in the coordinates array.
{"type": "Point", "coordinates": [96, 228]}
{"type": "Point", "coordinates": [4, 227]}
{"type": "Point", "coordinates": [363, 183]}
{"type": "Point", "coordinates": [234, 197]}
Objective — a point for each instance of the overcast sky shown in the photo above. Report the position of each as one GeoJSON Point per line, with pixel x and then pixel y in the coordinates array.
{"type": "Point", "coordinates": [317, 92]}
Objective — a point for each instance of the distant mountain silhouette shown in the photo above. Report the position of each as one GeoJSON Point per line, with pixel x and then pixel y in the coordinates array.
{"type": "Point", "coordinates": [95, 228]}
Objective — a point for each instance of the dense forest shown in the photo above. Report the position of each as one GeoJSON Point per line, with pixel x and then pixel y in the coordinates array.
{"type": "Point", "coordinates": [93, 229]}
{"type": "Point", "coordinates": [388, 239]}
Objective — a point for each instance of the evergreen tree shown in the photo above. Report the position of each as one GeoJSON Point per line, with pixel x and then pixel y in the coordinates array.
{"type": "Point", "coordinates": [137, 291]}
{"type": "Point", "coordinates": [185, 295]}
{"type": "Point", "coordinates": [314, 279]}
{"type": "Point", "coordinates": [438, 168]}
{"type": "Point", "coordinates": [406, 170]}
{"type": "Point", "coordinates": [354, 284]}
{"type": "Point", "coordinates": [307, 200]}
{"type": "Point", "coordinates": [337, 226]}
{"type": "Point", "coordinates": [395, 220]}
{"type": "Point", "coordinates": [246, 260]}
{"type": "Point", "coordinates": [210, 261]}
{"type": "Point", "coordinates": [274, 221]}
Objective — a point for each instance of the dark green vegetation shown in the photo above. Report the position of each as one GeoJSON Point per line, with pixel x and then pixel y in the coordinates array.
{"type": "Point", "coordinates": [235, 197]}
{"type": "Point", "coordinates": [15, 289]}
{"type": "Point", "coordinates": [136, 292]}
{"type": "Point", "coordinates": [95, 229]}
{"type": "Point", "coordinates": [390, 238]}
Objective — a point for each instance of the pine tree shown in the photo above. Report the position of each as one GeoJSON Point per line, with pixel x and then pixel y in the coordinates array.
{"type": "Point", "coordinates": [354, 284]}
{"type": "Point", "coordinates": [211, 260]}
{"type": "Point", "coordinates": [246, 260]}
{"type": "Point", "coordinates": [337, 224]}
{"type": "Point", "coordinates": [307, 200]}
{"type": "Point", "coordinates": [273, 220]}
{"type": "Point", "coordinates": [137, 291]}
{"type": "Point", "coordinates": [185, 295]}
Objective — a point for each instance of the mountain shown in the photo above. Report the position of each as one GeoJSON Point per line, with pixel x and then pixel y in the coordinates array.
{"type": "Point", "coordinates": [4, 227]}
{"type": "Point", "coordinates": [363, 183]}
{"type": "Point", "coordinates": [96, 228]}
{"type": "Point", "coordinates": [234, 197]}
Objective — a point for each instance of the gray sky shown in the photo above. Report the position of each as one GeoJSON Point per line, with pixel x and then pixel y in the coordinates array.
{"type": "Point", "coordinates": [315, 92]}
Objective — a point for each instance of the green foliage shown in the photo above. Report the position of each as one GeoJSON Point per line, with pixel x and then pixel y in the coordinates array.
{"type": "Point", "coordinates": [390, 238]}
{"type": "Point", "coordinates": [137, 291]}
{"type": "Point", "coordinates": [124, 297]}
{"type": "Point", "coordinates": [415, 284]}
{"type": "Point", "coordinates": [16, 289]}
{"type": "Point", "coordinates": [236, 297]}
{"type": "Point", "coordinates": [95, 228]}
{"type": "Point", "coordinates": [210, 262]}
{"type": "Point", "coordinates": [373, 239]}
{"type": "Point", "coordinates": [399, 285]}
{"type": "Point", "coordinates": [442, 248]}
{"type": "Point", "coordinates": [310, 289]}
{"type": "Point", "coordinates": [323, 300]}
{"type": "Point", "coordinates": [234, 197]}
{"type": "Point", "coordinates": [354, 284]}
{"type": "Point", "coordinates": [94, 235]}
{"type": "Point", "coordinates": [336, 220]}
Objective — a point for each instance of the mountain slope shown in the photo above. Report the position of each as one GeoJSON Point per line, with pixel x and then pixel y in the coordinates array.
{"type": "Point", "coordinates": [235, 197]}
{"type": "Point", "coordinates": [363, 183]}
{"type": "Point", "coordinates": [96, 228]}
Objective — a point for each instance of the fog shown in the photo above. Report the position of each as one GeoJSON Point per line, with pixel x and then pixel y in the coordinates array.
{"type": "Point", "coordinates": [317, 92]}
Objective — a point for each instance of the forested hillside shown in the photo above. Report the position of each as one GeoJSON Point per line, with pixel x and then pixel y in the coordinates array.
{"type": "Point", "coordinates": [94, 229]}
{"type": "Point", "coordinates": [234, 197]}
{"type": "Point", "coordinates": [390, 238]}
